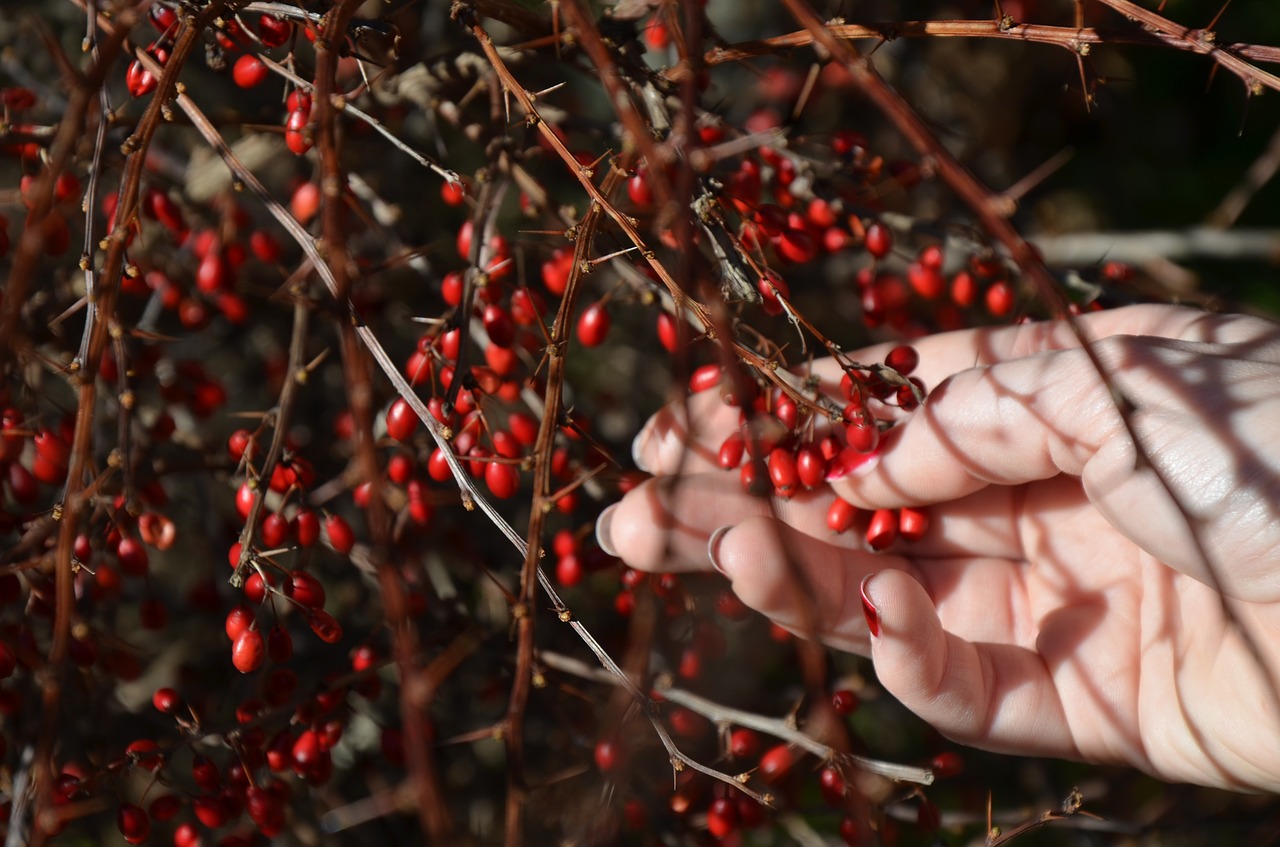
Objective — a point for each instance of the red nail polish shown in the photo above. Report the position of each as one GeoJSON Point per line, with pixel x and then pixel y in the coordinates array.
{"type": "Point", "coordinates": [868, 608]}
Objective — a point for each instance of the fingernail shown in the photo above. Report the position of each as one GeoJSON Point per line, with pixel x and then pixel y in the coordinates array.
{"type": "Point", "coordinates": [850, 461]}
{"type": "Point", "coordinates": [638, 445]}
{"type": "Point", "coordinates": [869, 610]}
{"type": "Point", "coordinates": [602, 530]}
{"type": "Point", "coordinates": [713, 548]}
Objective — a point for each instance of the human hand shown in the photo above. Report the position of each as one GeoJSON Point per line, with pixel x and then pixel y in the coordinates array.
{"type": "Point", "coordinates": [1060, 603]}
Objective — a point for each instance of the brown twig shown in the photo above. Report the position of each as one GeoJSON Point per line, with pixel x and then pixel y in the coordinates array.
{"type": "Point", "coordinates": [100, 315]}
{"type": "Point", "coordinates": [1079, 41]}
{"type": "Point", "coordinates": [433, 812]}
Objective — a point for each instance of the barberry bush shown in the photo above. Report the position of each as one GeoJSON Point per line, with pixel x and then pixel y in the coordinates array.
{"type": "Point", "coordinates": [326, 326]}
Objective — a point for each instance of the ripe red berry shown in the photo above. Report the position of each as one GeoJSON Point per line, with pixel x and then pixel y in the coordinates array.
{"type": "Point", "coordinates": [341, 536]}
{"type": "Point", "coordinates": [722, 817]}
{"type": "Point", "coordinates": [831, 784]}
{"type": "Point", "coordinates": [912, 523]}
{"type": "Point", "coordinates": [238, 620]}
{"type": "Point", "coordinates": [668, 332]}
{"type": "Point", "coordinates": [134, 824]}
{"type": "Point", "coordinates": [811, 468]}
{"type": "Point", "coordinates": [608, 755]}
{"type": "Point", "coordinates": [166, 700]}
{"type": "Point", "coordinates": [782, 472]}
{"type": "Point", "coordinates": [946, 764]}
{"type": "Point", "coordinates": [593, 325]}
{"type": "Point", "coordinates": [731, 451]}
{"type": "Point", "coordinates": [503, 479]}
{"type": "Point", "coordinates": [139, 80]}
{"type": "Point", "coordinates": [307, 527]}
{"type": "Point", "coordinates": [879, 240]}
{"type": "Point", "coordinates": [249, 71]}
{"type": "Point", "coordinates": [844, 701]}
{"type": "Point", "coordinates": [453, 193]}
{"type": "Point", "coordinates": [840, 515]}
{"type": "Point", "coordinates": [883, 529]}
{"type": "Point", "coordinates": [402, 420]}
{"type": "Point", "coordinates": [704, 378]}
{"type": "Point", "coordinates": [902, 359]}
{"type": "Point", "coordinates": [638, 189]}
{"type": "Point", "coordinates": [743, 743]}
{"type": "Point", "coordinates": [999, 299]}
{"type": "Point", "coordinates": [964, 289]}
{"type": "Point", "coordinates": [776, 763]}
{"type": "Point", "coordinates": [248, 651]}
{"type": "Point", "coordinates": [324, 625]}
{"type": "Point", "coordinates": [797, 245]}
{"type": "Point", "coordinates": [296, 137]}
{"type": "Point", "coordinates": [556, 270]}
{"type": "Point", "coordinates": [305, 589]}
{"type": "Point", "coordinates": [274, 530]}
{"type": "Point", "coordinates": [569, 570]}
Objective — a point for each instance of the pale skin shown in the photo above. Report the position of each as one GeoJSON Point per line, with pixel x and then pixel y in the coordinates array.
{"type": "Point", "coordinates": [1060, 603]}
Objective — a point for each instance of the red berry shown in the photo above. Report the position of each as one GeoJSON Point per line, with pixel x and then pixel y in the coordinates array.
{"type": "Point", "coordinates": [139, 80]}
{"type": "Point", "coordinates": [166, 700]}
{"type": "Point", "coordinates": [402, 420]}
{"type": "Point", "coordinates": [296, 137]}
{"type": "Point", "coordinates": [569, 570]}
{"type": "Point", "coordinates": [249, 71]}
{"type": "Point", "coordinates": [883, 529]}
{"type": "Point", "coordinates": [743, 743]}
{"type": "Point", "coordinates": [134, 824]}
{"type": "Point", "coordinates": [964, 289]}
{"type": "Point", "coordinates": [248, 651]}
{"type": "Point", "coordinates": [722, 817]}
{"type": "Point", "coordinates": [731, 451]}
{"type": "Point", "coordinates": [556, 270]}
{"type": "Point", "coordinates": [840, 515]}
{"type": "Point", "coordinates": [453, 193]}
{"type": "Point", "coordinates": [608, 755]}
{"type": "Point", "coordinates": [912, 523]}
{"type": "Point", "coordinates": [593, 325]}
{"type": "Point", "coordinates": [902, 359]}
{"type": "Point", "coordinates": [668, 332]}
{"type": "Point", "coordinates": [831, 784]}
{"type": "Point", "coordinates": [796, 245]}
{"type": "Point", "coordinates": [274, 530]}
{"type": "Point", "coordinates": [1000, 299]}
{"type": "Point", "coordinates": [305, 589]}
{"type": "Point", "coordinates": [324, 625]}
{"type": "Point", "coordinates": [704, 378]}
{"type": "Point", "coordinates": [340, 534]}
{"type": "Point", "coordinates": [274, 31]}
{"type": "Point", "coordinates": [776, 763]}
{"type": "Point", "coordinates": [307, 527]}
{"type": "Point", "coordinates": [499, 326]}
{"type": "Point", "coordinates": [947, 763]}
{"type": "Point", "coordinates": [811, 468]}
{"type": "Point", "coordinates": [503, 479]}
{"type": "Point", "coordinates": [638, 189]}
{"type": "Point", "coordinates": [927, 282]}
{"type": "Point", "coordinates": [238, 620]}
{"type": "Point", "coordinates": [844, 701]}
{"type": "Point", "coordinates": [782, 472]}
{"type": "Point", "coordinates": [879, 240]}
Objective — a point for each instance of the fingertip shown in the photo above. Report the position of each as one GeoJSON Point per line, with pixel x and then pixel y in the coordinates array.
{"type": "Point", "coordinates": [604, 526]}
